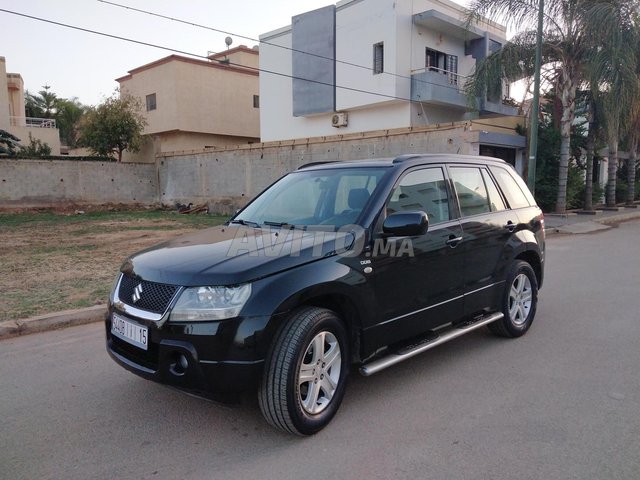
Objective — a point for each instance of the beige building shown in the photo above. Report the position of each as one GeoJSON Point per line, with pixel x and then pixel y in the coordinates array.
{"type": "Point", "coordinates": [194, 104]}
{"type": "Point", "coordinates": [13, 118]}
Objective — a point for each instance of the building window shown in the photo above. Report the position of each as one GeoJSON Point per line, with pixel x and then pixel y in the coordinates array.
{"type": "Point", "coordinates": [378, 58]}
{"type": "Point", "coordinates": [256, 101]}
{"type": "Point", "coordinates": [443, 63]}
{"type": "Point", "coordinates": [151, 102]}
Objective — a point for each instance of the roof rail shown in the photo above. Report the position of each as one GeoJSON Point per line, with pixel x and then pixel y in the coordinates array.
{"type": "Point", "coordinates": [313, 164]}
{"type": "Point", "coordinates": [404, 158]}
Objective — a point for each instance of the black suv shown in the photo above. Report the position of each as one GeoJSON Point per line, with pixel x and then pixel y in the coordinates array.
{"type": "Point", "coordinates": [337, 264]}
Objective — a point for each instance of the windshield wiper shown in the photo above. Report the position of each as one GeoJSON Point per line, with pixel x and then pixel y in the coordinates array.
{"type": "Point", "coordinates": [247, 223]}
{"type": "Point", "coordinates": [279, 224]}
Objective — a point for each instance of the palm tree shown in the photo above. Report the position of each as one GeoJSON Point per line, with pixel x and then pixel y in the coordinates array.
{"type": "Point", "coordinates": [567, 44]}
{"type": "Point", "coordinates": [614, 31]}
{"type": "Point", "coordinates": [68, 116]}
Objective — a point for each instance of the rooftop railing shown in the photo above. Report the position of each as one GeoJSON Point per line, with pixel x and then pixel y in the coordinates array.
{"type": "Point", "coordinates": [32, 122]}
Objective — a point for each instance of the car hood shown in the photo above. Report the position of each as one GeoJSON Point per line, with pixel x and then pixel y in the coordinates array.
{"type": "Point", "coordinates": [231, 255]}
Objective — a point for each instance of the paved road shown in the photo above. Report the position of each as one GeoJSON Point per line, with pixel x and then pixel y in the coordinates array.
{"type": "Point", "coordinates": [563, 402]}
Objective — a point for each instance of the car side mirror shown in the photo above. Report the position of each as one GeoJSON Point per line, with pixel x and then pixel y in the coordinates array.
{"type": "Point", "coordinates": [406, 224]}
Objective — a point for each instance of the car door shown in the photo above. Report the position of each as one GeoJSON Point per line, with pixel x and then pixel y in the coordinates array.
{"type": "Point", "coordinates": [418, 280]}
{"type": "Point", "coordinates": [488, 227]}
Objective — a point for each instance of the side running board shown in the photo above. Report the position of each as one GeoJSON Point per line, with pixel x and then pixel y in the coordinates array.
{"type": "Point", "coordinates": [432, 340]}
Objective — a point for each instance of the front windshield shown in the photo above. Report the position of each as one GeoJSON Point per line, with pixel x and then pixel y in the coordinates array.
{"type": "Point", "coordinates": [332, 197]}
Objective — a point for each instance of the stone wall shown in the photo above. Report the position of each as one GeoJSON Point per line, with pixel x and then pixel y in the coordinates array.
{"type": "Point", "coordinates": [50, 182]}
{"type": "Point", "coordinates": [227, 177]}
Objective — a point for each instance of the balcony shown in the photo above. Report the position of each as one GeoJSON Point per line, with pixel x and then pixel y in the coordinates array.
{"type": "Point", "coordinates": [497, 107]}
{"type": "Point", "coordinates": [439, 87]}
{"type": "Point", "coordinates": [32, 122]}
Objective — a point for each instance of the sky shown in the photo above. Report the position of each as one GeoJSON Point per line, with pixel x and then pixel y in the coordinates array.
{"type": "Point", "coordinates": [84, 65]}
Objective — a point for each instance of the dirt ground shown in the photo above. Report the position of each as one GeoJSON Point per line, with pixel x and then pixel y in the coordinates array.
{"type": "Point", "coordinates": [53, 260]}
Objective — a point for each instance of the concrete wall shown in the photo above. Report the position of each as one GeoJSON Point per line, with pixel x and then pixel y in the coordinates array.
{"type": "Point", "coordinates": [50, 136]}
{"type": "Point", "coordinates": [50, 182]}
{"type": "Point", "coordinates": [226, 177]}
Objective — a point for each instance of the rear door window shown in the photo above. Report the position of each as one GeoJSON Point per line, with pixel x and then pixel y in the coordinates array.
{"type": "Point", "coordinates": [495, 200]}
{"type": "Point", "coordinates": [471, 191]}
{"type": "Point", "coordinates": [513, 192]}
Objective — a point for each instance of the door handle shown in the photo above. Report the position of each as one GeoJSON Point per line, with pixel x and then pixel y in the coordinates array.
{"type": "Point", "coordinates": [510, 226]}
{"type": "Point", "coordinates": [453, 241]}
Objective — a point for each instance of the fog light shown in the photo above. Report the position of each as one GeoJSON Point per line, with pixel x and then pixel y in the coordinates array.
{"type": "Point", "coordinates": [180, 365]}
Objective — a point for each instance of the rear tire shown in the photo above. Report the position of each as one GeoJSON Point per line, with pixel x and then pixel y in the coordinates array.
{"type": "Point", "coordinates": [305, 373]}
{"type": "Point", "coordinates": [519, 301]}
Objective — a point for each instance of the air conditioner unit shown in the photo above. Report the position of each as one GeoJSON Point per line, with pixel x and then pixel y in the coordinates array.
{"type": "Point", "coordinates": [339, 120]}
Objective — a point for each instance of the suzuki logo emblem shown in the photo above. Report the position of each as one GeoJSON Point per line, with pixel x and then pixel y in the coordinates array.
{"type": "Point", "coordinates": [136, 293]}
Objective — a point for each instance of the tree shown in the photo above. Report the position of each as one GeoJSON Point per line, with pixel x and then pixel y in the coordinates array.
{"type": "Point", "coordinates": [67, 112]}
{"type": "Point", "coordinates": [8, 144]}
{"type": "Point", "coordinates": [68, 116]}
{"type": "Point", "coordinates": [614, 72]}
{"type": "Point", "coordinates": [114, 126]}
{"type": "Point", "coordinates": [567, 45]}
{"type": "Point", "coordinates": [42, 105]}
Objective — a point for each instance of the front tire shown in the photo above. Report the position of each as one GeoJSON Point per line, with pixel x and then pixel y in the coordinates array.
{"type": "Point", "coordinates": [305, 374]}
{"type": "Point", "coordinates": [519, 301]}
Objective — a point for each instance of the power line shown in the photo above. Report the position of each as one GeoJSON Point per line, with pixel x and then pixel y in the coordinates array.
{"type": "Point", "coordinates": [226, 62]}
{"type": "Point", "coordinates": [217, 30]}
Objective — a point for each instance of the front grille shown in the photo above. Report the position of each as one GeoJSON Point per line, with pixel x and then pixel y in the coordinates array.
{"type": "Point", "coordinates": [149, 296]}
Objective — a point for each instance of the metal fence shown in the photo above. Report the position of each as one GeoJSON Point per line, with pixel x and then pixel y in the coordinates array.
{"type": "Point", "coordinates": [32, 122]}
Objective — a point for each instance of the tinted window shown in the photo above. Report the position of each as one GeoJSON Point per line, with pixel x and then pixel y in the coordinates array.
{"type": "Point", "coordinates": [495, 200]}
{"type": "Point", "coordinates": [423, 190]}
{"type": "Point", "coordinates": [511, 189]}
{"type": "Point", "coordinates": [353, 190]}
{"type": "Point", "coordinates": [332, 197]}
{"type": "Point", "coordinates": [471, 191]}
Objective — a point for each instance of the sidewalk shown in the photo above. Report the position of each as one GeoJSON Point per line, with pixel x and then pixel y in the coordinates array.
{"type": "Point", "coordinates": [579, 222]}
{"type": "Point", "coordinates": [569, 223]}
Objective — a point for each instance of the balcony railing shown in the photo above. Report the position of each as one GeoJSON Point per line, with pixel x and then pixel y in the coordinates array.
{"type": "Point", "coordinates": [453, 78]}
{"type": "Point", "coordinates": [32, 122]}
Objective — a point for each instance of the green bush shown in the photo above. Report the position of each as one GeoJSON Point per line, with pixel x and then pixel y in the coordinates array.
{"type": "Point", "coordinates": [35, 149]}
{"type": "Point", "coordinates": [547, 172]}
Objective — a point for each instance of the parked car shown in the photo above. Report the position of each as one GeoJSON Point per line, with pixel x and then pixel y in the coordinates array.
{"type": "Point", "coordinates": [336, 266]}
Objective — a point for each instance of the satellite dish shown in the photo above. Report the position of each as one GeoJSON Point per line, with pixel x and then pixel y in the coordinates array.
{"type": "Point", "coordinates": [228, 41]}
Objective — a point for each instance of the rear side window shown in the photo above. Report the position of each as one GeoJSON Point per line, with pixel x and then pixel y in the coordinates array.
{"type": "Point", "coordinates": [423, 190]}
{"type": "Point", "coordinates": [471, 191]}
{"type": "Point", "coordinates": [495, 200]}
{"type": "Point", "coordinates": [512, 189]}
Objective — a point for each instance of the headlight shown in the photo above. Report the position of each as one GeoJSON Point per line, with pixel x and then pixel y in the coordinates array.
{"type": "Point", "coordinates": [210, 303]}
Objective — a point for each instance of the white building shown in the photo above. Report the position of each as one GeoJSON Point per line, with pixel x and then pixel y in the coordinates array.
{"type": "Point", "coordinates": [364, 65]}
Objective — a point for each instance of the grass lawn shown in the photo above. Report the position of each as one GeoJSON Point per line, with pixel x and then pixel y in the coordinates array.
{"type": "Point", "coordinates": [51, 261]}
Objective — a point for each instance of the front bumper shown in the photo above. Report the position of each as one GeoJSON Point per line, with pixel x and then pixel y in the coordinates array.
{"type": "Point", "coordinates": [203, 358]}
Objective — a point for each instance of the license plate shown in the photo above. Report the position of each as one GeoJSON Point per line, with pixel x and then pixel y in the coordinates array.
{"type": "Point", "coordinates": [129, 331]}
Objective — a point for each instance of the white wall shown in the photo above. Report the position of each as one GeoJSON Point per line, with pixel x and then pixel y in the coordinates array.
{"type": "Point", "coordinates": [359, 26]}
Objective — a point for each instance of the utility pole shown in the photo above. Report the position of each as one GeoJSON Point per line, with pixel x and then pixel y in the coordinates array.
{"type": "Point", "coordinates": [535, 106]}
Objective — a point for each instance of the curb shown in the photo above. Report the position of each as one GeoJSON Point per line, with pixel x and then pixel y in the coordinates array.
{"type": "Point", "coordinates": [590, 226]}
{"type": "Point", "coordinates": [52, 321]}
